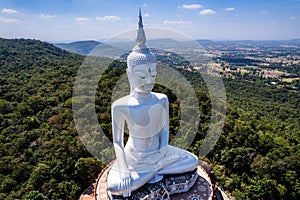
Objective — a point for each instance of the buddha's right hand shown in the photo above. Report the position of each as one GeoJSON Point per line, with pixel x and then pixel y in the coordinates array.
{"type": "Point", "coordinates": [125, 184]}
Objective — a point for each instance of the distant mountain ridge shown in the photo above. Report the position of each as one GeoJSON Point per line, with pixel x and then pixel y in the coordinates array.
{"type": "Point", "coordinates": [80, 47]}
{"type": "Point", "coordinates": [93, 47]}
{"type": "Point", "coordinates": [297, 40]}
{"type": "Point", "coordinates": [86, 47]}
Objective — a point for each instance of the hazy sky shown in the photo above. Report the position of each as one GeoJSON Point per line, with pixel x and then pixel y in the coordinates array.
{"type": "Point", "coordinates": [69, 20]}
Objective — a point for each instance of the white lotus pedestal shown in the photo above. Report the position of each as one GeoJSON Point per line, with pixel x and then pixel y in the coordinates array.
{"type": "Point", "coordinates": [187, 186]}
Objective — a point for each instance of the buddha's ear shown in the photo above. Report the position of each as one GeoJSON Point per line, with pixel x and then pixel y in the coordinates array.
{"type": "Point", "coordinates": [129, 74]}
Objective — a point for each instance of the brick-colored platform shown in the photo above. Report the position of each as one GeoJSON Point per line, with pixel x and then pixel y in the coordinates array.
{"type": "Point", "coordinates": [202, 188]}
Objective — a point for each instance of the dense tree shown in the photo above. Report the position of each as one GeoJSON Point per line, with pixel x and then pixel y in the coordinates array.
{"type": "Point", "coordinates": [42, 156]}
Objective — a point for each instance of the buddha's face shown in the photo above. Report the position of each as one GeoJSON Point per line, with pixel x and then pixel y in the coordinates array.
{"type": "Point", "coordinates": [142, 77]}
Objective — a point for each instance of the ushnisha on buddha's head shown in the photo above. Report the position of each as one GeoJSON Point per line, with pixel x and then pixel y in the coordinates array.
{"type": "Point", "coordinates": [141, 65]}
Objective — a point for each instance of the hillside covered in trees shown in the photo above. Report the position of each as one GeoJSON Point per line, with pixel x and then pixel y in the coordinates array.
{"type": "Point", "coordinates": [42, 157]}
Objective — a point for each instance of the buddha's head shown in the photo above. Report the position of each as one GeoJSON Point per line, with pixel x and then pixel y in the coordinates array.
{"type": "Point", "coordinates": [141, 64]}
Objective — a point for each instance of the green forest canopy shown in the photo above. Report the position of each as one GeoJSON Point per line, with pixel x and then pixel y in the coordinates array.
{"type": "Point", "coordinates": [42, 157]}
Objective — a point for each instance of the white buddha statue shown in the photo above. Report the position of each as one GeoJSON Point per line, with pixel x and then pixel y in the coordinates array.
{"type": "Point", "coordinates": [146, 157]}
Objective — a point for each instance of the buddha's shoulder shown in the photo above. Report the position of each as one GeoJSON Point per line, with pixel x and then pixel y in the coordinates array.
{"type": "Point", "coordinates": [129, 101]}
{"type": "Point", "coordinates": [121, 102]}
{"type": "Point", "coordinates": [160, 96]}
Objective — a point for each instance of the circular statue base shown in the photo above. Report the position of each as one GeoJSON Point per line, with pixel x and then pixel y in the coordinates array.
{"type": "Point", "coordinates": [194, 185]}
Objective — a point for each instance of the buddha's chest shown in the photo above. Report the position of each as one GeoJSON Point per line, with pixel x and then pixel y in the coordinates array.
{"type": "Point", "coordinates": [146, 120]}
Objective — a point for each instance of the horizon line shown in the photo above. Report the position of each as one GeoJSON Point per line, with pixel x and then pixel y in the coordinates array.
{"type": "Point", "coordinates": [101, 40]}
